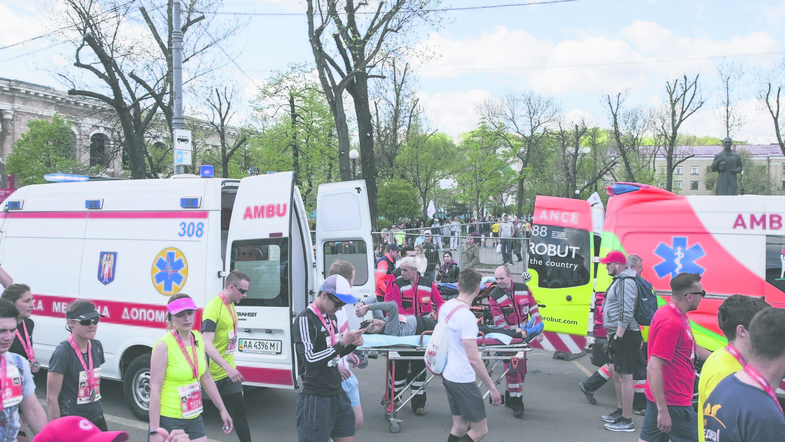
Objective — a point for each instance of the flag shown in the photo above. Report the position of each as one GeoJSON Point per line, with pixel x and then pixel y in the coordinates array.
{"type": "Point", "coordinates": [431, 209]}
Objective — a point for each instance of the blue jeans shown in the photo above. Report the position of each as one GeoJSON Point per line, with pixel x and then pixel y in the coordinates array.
{"type": "Point", "coordinates": [507, 250]}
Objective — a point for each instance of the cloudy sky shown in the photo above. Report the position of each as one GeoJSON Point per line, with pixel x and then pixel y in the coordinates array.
{"type": "Point", "coordinates": [575, 51]}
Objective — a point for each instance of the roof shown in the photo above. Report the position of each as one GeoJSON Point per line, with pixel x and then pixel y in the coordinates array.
{"type": "Point", "coordinates": [757, 150]}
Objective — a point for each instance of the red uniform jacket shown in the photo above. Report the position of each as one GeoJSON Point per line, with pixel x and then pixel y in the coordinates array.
{"type": "Point", "coordinates": [415, 299]}
{"type": "Point", "coordinates": [512, 309]}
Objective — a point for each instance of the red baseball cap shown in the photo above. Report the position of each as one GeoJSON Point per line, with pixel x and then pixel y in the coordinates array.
{"type": "Point", "coordinates": [614, 256]}
{"type": "Point", "coordinates": [77, 429]}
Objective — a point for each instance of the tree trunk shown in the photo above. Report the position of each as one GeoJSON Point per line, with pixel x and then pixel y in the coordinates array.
{"type": "Point", "coordinates": [520, 195]}
{"type": "Point", "coordinates": [294, 146]}
{"type": "Point", "coordinates": [359, 91]}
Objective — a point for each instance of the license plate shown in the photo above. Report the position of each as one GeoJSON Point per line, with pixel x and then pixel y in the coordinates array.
{"type": "Point", "coordinates": [259, 346]}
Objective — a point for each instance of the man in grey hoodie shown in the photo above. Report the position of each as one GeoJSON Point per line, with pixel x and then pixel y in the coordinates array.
{"type": "Point", "coordinates": [624, 338]}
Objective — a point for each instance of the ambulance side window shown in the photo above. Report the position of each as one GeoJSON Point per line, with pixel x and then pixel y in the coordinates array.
{"type": "Point", "coordinates": [775, 261]}
{"type": "Point", "coordinates": [266, 262]}
{"type": "Point", "coordinates": [354, 251]}
{"type": "Point", "coordinates": [560, 255]}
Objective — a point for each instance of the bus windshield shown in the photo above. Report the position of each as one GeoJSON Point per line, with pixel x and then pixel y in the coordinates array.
{"type": "Point", "coordinates": [561, 256]}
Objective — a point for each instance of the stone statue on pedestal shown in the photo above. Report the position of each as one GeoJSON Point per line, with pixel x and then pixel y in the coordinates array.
{"type": "Point", "coordinates": [728, 164]}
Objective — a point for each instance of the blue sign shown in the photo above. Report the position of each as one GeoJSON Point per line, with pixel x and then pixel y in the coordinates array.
{"type": "Point", "coordinates": [679, 258]}
{"type": "Point", "coordinates": [107, 264]}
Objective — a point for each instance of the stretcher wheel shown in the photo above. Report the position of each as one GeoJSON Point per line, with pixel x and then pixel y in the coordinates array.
{"type": "Point", "coordinates": [395, 427]}
{"type": "Point", "coordinates": [388, 415]}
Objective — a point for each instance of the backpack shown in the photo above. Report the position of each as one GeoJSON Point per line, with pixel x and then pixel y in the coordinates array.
{"type": "Point", "coordinates": [646, 304]}
{"type": "Point", "coordinates": [436, 352]}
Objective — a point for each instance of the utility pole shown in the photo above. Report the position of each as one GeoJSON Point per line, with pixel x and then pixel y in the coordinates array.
{"type": "Point", "coordinates": [181, 137]}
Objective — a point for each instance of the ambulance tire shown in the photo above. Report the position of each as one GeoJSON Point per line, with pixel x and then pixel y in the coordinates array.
{"type": "Point", "coordinates": [136, 387]}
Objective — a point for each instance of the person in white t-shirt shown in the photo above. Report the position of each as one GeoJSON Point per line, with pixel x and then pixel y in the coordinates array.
{"type": "Point", "coordinates": [464, 364]}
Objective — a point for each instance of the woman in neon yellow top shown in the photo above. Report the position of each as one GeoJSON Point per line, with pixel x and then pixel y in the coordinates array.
{"type": "Point", "coordinates": [178, 368]}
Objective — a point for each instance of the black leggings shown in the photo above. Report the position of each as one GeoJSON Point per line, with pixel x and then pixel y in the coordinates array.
{"type": "Point", "coordinates": [235, 406]}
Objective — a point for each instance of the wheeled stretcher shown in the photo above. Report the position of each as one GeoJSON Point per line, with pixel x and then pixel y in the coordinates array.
{"type": "Point", "coordinates": [495, 349]}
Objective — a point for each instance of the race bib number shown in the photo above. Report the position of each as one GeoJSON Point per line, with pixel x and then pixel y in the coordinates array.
{"type": "Point", "coordinates": [190, 400]}
{"type": "Point", "coordinates": [12, 393]}
{"type": "Point", "coordinates": [231, 346]}
{"type": "Point", "coordinates": [83, 394]}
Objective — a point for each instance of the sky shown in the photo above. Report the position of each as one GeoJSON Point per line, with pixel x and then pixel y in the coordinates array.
{"type": "Point", "coordinates": [576, 52]}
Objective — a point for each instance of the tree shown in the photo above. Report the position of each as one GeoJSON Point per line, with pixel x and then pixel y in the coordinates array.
{"type": "Point", "coordinates": [424, 160]}
{"type": "Point", "coordinates": [769, 94]}
{"type": "Point", "coordinates": [362, 35]}
{"type": "Point", "coordinates": [479, 172]}
{"type": "Point", "coordinates": [221, 114]}
{"type": "Point", "coordinates": [398, 199]}
{"type": "Point", "coordinates": [47, 147]}
{"type": "Point", "coordinates": [524, 120]}
{"type": "Point", "coordinates": [573, 155]}
{"type": "Point", "coordinates": [730, 115]}
{"type": "Point", "coordinates": [125, 74]}
{"type": "Point", "coordinates": [682, 100]}
{"type": "Point", "coordinates": [754, 178]}
{"type": "Point", "coordinates": [628, 128]}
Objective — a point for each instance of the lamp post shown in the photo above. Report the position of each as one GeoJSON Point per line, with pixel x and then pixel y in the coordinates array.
{"type": "Point", "coordinates": [353, 155]}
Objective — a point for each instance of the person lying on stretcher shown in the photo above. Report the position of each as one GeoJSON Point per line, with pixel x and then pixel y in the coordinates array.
{"type": "Point", "coordinates": [397, 325]}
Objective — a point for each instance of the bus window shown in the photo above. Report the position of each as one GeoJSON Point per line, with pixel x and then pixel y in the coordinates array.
{"type": "Point", "coordinates": [265, 261]}
{"type": "Point", "coordinates": [354, 251]}
{"type": "Point", "coordinates": [560, 255]}
{"type": "Point", "coordinates": [775, 261]}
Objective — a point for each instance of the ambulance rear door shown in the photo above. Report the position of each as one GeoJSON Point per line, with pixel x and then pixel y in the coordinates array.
{"type": "Point", "coordinates": [268, 239]}
{"type": "Point", "coordinates": [343, 232]}
{"type": "Point", "coordinates": [560, 262]}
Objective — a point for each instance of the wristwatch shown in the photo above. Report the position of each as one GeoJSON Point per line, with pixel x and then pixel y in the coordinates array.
{"type": "Point", "coordinates": [153, 433]}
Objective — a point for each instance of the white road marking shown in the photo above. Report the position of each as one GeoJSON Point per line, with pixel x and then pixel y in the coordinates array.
{"type": "Point", "coordinates": [581, 367]}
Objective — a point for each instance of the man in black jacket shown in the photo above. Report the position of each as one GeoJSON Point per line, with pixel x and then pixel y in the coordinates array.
{"type": "Point", "coordinates": [323, 408]}
{"type": "Point", "coordinates": [431, 254]}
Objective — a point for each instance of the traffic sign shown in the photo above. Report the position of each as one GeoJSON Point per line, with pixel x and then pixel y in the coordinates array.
{"type": "Point", "coordinates": [182, 140]}
{"type": "Point", "coordinates": [182, 157]}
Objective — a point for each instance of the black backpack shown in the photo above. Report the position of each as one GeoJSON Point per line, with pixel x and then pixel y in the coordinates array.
{"type": "Point", "coordinates": [646, 304]}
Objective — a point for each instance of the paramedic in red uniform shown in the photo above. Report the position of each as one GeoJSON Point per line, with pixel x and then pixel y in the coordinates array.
{"type": "Point", "coordinates": [384, 268]}
{"type": "Point", "coordinates": [512, 305]}
{"type": "Point", "coordinates": [416, 296]}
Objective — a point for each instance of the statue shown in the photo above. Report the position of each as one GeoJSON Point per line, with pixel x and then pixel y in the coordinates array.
{"type": "Point", "coordinates": [728, 164]}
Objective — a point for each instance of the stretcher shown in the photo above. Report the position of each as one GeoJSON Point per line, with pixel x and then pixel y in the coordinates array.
{"type": "Point", "coordinates": [495, 349]}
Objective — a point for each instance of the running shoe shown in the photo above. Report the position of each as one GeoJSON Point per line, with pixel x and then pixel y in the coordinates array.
{"type": "Point", "coordinates": [621, 425]}
{"type": "Point", "coordinates": [613, 417]}
{"type": "Point", "coordinates": [589, 394]}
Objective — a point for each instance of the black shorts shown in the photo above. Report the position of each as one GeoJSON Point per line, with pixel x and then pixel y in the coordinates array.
{"type": "Point", "coordinates": [322, 417]}
{"type": "Point", "coordinates": [226, 387]}
{"type": "Point", "coordinates": [626, 357]}
{"type": "Point", "coordinates": [194, 428]}
{"type": "Point", "coordinates": [465, 400]}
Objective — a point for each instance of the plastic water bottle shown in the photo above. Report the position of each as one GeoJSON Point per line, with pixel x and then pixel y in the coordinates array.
{"type": "Point", "coordinates": [363, 359]}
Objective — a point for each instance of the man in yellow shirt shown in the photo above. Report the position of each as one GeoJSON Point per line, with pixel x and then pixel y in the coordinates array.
{"type": "Point", "coordinates": [733, 316]}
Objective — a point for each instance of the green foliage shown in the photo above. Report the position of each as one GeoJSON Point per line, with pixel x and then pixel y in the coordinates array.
{"type": "Point", "coordinates": [711, 179]}
{"type": "Point", "coordinates": [424, 160]}
{"type": "Point", "coordinates": [480, 172]}
{"type": "Point", "coordinates": [753, 179]}
{"type": "Point", "coordinates": [383, 224]}
{"type": "Point", "coordinates": [47, 147]}
{"type": "Point", "coordinates": [397, 199]}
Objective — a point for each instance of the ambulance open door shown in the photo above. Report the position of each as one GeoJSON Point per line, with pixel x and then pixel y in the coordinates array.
{"type": "Point", "coordinates": [343, 232]}
{"type": "Point", "coordinates": [560, 262]}
{"type": "Point", "coordinates": [269, 240]}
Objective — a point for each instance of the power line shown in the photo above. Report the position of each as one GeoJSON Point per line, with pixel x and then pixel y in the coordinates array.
{"type": "Point", "coordinates": [465, 8]}
{"type": "Point", "coordinates": [621, 63]}
{"type": "Point", "coordinates": [33, 52]}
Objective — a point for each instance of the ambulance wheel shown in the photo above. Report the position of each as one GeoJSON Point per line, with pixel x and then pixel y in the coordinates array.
{"type": "Point", "coordinates": [136, 387]}
{"type": "Point", "coordinates": [395, 427]}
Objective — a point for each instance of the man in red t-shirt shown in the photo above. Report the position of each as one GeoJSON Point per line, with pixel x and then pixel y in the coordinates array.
{"type": "Point", "coordinates": [671, 371]}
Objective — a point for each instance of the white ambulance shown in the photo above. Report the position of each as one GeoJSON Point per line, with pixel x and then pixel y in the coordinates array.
{"type": "Point", "coordinates": [128, 245]}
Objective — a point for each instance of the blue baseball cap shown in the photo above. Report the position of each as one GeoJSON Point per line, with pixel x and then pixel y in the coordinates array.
{"type": "Point", "coordinates": [338, 285]}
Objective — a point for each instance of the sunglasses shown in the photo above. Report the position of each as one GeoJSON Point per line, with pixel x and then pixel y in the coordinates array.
{"type": "Point", "coordinates": [338, 303]}
{"type": "Point", "coordinates": [242, 291]}
{"type": "Point", "coordinates": [702, 293]}
{"type": "Point", "coordinates": [87, 322]}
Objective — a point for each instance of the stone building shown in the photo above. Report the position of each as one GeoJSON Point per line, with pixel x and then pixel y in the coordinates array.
{"type": "Point", "coordinates": [21, 102]}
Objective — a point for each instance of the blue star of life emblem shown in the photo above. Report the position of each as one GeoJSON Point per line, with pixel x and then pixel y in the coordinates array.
{"type": "Point", "coordinates": [169, 271]}
{"type": "Point", "coordinates": [679, 258]}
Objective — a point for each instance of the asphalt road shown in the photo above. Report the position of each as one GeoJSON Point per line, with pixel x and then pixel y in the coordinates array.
{"type": "Point", "coordinates": [556, 410]}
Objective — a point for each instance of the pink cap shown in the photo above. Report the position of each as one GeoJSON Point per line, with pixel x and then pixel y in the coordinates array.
{"type": "Point", "coordinates": [614, 256]}
{"type": "Point", "coordinates": [181, 304]}
{"type": "Point", "coordinates": [77, 429]}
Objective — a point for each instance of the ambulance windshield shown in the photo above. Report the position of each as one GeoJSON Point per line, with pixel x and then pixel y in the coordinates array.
{"type": "Point", "coordinates": [266, 262]}
{"type": "Point", "coordinates": [561, 256]}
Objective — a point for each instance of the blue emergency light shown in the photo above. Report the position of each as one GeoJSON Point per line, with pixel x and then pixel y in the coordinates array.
{"type": "Point", "coordinates": [94, 204]}
{"type": "Point", "coordinates": [207, 171]}
{"type": "Point", "coordinates": [14, 205]}
{"type": "Point", "coordinates": [190, 203]}
{"type": "Point", "coordinates": [65, 178]}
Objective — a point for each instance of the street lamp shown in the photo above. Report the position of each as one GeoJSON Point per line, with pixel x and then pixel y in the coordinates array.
{"type": "Point", "coordinates": [353, 154]}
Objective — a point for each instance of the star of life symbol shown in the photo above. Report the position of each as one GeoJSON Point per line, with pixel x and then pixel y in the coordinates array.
{"type": "Point", "coordinates": [679, 258]}
{"type": "Point", "coordinates": [169, 271]}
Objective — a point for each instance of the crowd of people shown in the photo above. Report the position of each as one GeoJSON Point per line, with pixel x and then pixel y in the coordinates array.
{"type": "Point", "coordinates": [736, 398]}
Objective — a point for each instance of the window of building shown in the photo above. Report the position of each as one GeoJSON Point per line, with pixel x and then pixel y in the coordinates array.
{"type": "Point", "coordinates": [694, 185]}
{"type": "Point", "coordinates": [677, 171]}
{"type": "Point", "coordinates": [677, 185]}
{"type": "Point", "coordinates": [694, 170]}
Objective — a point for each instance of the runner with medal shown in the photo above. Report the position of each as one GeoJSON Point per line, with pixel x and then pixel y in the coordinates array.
{"type": "Point", "coordinates": [73, 384]}
{"type": "Point", "coordinates": [178, 369]}
{"type": "Point", "coordinates": [20, 296]}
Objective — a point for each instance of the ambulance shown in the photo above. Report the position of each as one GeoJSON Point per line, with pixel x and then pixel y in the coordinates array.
{"type": "Point", "coordinates": [736, 244]}
{"type": "Point", "coordinates": [128, 245]}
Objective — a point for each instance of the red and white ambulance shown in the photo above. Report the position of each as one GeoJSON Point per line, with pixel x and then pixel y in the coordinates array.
{"type": "Point", "coordinates": [128, 245]}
